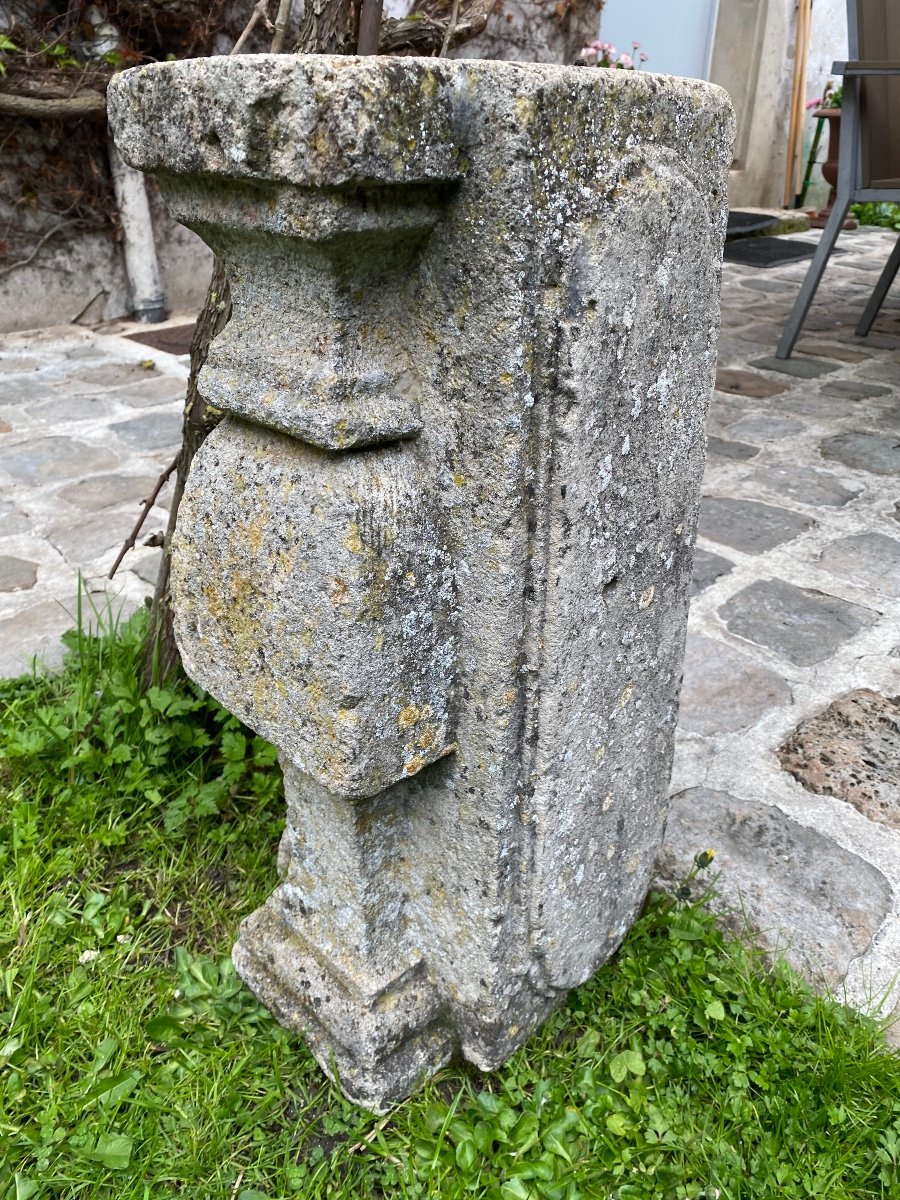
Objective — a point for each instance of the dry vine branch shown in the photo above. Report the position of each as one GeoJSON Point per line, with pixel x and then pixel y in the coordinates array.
{"type": "Point", "coordinates": [451, 29]}
{"type": "Point", "coordinates": [260, 13]}
{"type": "Point", "coordinates": [148, 504]}
{"type": "Point", "coordinates": [23, 262]}
{"type": "Point", "coordinates": [281, 25]}
{"type": "Point", "coordinates": [92, 105]}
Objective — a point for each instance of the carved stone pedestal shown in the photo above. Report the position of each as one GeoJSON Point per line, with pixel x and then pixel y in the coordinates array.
{"type": "Point", "coordinates": [439, 550]}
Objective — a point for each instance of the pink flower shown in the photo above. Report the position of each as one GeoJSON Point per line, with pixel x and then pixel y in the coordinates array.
{"type": "Point", "coordinates": [625, 60]}
{"type": "Point", "coordinates": [643, 57]}
{"type": "Point", "coordinates": [635, 45]}
{"type": "Point", "coordinates": [813, 103]}
{"type": "Point", "coordinates": [602, 45]}
{"type": "Point", "coordinates": [610, 50]}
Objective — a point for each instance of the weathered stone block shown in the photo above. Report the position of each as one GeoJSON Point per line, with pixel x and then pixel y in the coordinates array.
{"type": "Point", "coordinates": [439, 551]}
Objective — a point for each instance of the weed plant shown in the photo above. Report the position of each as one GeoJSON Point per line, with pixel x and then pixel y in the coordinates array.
{"type": "Point", "coordinates": [136, 830]}
{"type": "Point", "coordinates": [880, 212]}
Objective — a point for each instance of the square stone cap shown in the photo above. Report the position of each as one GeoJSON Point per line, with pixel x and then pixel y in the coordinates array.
{"type": "Point", "coordinates": [329, 121]}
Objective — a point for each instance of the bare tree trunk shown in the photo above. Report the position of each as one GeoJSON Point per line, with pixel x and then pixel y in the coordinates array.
{"type": "Point", "coordinates": [328, 26]}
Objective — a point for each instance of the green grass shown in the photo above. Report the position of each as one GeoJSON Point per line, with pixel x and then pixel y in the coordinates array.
{"type": "Point", "coordinates": [882, 212]}
{"type": "Point", "coordinates": [136, 831]}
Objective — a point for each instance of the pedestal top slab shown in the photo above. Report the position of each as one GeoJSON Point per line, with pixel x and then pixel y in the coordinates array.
{"type": "Point", "coordinates": [332, 120]}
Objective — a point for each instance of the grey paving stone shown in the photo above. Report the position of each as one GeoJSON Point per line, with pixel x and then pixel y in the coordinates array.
{"type": "Point", "coordinates": [746, 383]}
{"type": "Point", "coordinates": [111, 374]}
{"type": "Point", "coordinates": [62, 408]}
{"type": "Point", "coordinates": [725, 449]}
{"type": "Point", "coordinates": [44, 460]}
{"type": "Point", "coordinates": [805, 485]}
{"type": "Point", "coordinates": [724, 690]}
{"type": "Point", "coordinates": [16, 574]}
{"type": "Point", "coordinates": [880, 340]}
{"type": "Point", "coordinates": [833, 349]}
{"type": "Point", "coordinates": [866, 451]}
{"type": "Point", "coordinates": [12, 519]}
{"type": "Point", "coordinates": [101, 491]}
{"type": "Point", "coordinates": [801, 625]}
{"type": "Point", "coordinates": [83, 541]}
{"type": "Point", "coordinates": [147, 567]}
{"type": "Point", "coordinates": [851, 750]}
{"type": "Point", "coordinates": [762, 335]}
{"type": "Point", "coordinates": [23, 391]}
{"type": "Point", "coordinates": [820, 322]}
{"type": "Point", "coordinates": [765, 429]}
{"type": "Point", "coordinates": [817, 405]}
{"type": "Point", "coordinates": [165, 388]}
{"type": "Point", "coordinates": [770, 286]}
{"type": "Point", "coordinates": [32, 633]}
{"type": "Point", "coordinates": [882, 369]}
{"type": "Point", "coordinates": [748, 525]}
{"type": "Point", "coordinates": [800, 368]}
{"type": "Point", "coordinates": [811, 901]}
{"type": "Point", "coordinates": [15, 364]}
{"type": "Point", "coordinates": [871, 560]}
{"type": "Point", "coordinates": [153, 431]}
{"type": "Point", "coordinates": [708, 567]}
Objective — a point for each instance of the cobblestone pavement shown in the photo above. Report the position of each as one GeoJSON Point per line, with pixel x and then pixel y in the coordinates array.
{"type": "Point", "coordinates": [797, 582]}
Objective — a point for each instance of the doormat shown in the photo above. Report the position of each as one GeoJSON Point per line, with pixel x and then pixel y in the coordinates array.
{"type": "Point", "coordinates": [743, 224]}
{"type": "Point", "coordinates": [768, 251]}
{"type": "Point", "coordinates": [174, 339]}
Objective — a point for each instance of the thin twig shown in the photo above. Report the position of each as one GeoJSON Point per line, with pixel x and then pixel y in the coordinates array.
{"type": "Point", "coordinates": [451, 29]}
{"type": "Point", "coordinates": [260, 13]}
{"type": "Point", "coordinates": [148, 504]}
{"type": "Point", "coordinates": [282, 19]}
{"type": "Point", "coordinates": [23, 262]}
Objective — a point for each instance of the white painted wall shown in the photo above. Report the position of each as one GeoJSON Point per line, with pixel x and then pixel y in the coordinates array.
{"type": "Point", "coordinates": [753, 59]}
{"type": "Point", "coordinates": [677, 35]}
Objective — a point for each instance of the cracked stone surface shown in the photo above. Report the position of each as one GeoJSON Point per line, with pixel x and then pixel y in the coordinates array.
{"type": "Point", "coordinates": [748, 525]}
{"type": "Point", "coordinates": [707, 569]}
{"type": "Point", "coordinates": [800, 368]}
{"type": "Point", "coordinates": [803, 485]}
{"type": "Point", "coordinates": [814, 903]}
{"type": "Point", "coordinates": [371, 613]}
{"type": "Point", "coordinates": [802, 625]}
{"type": "Point", "coordinates": [851, 750]}
{"type": "Point", "coordinates": [729, 449]}
{"type": "Point", "coordinates": [725, 690]}
{"type": "Point", "coordinates": [866, 451]}
{"type": "Point", "coordinates": [16, 574]}
{"type": "Point", "coordinates": [870, 560]}
{"type": "Point", "coordinates": [729, 739]}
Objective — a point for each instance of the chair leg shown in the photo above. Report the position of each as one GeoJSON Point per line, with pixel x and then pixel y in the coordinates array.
{"type": "Point", "coordinates": [813, 275]}
{"type": "Point", "coordinates": [885, 279]}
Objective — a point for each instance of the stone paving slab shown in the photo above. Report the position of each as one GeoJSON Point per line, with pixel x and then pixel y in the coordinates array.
{"type": "Point", "coordinates": [798, 547]}
{"type": "Point", "coordinates": [89, 422]}
{"type": "Point", "coordinates": [805, 612]}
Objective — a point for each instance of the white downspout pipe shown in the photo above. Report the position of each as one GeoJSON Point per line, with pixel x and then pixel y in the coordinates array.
{"type": "Point", "coordinates": [148, 300]}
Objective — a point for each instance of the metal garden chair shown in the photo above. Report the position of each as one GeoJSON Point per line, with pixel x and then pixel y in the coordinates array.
{"type": "Point", "coordinates": [869, 167]}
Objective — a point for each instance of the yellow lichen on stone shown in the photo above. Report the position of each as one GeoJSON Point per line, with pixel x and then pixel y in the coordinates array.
{"type": "Point", "coordinates": [352, 539]}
